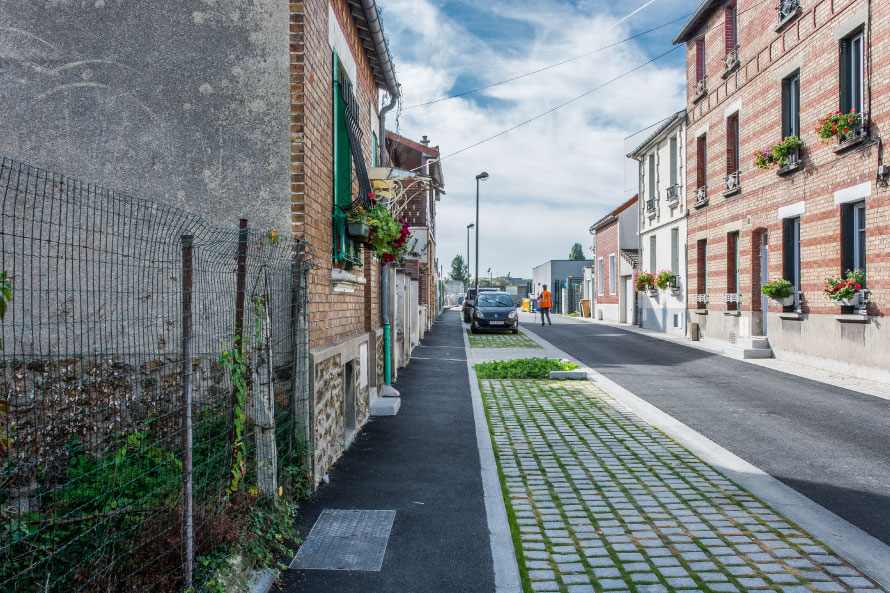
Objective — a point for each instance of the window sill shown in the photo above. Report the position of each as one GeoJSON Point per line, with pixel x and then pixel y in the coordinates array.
{"type": "Point", "coordinates": [791, 315]}
{"type": "Point", "coordinates": [733, 313]}
{"type": "Point", "coordinates": [731, 192]}
{"type": "Point", "coordinates": [700, 96]}
{"type": "Point", "coordinates": [846, 145]}
{"type": "Point", "coordinates": [789, 169]}
{"type": "Point", "coordinates": [346, 282]}
{"type": "Point", "coordinates": [787, 20]}
{"type": "Point", "coordinates": [700, 311]}
{"type": "Point", "coordinates": [853, 318]}
{"type": "Point", "coordinates": [651, 213]}
{"type": "Point", "coordinates": [700, 203]}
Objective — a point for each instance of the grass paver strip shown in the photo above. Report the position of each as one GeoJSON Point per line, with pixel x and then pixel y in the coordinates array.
{"type": "Point", "coordinates": [600, 501]}
{"type": "Point", "coordinates": [501, 340]}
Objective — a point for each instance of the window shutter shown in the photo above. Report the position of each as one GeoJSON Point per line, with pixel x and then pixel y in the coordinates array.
{"type": "Point", "coordinates": [699, 59]}
{"type": "Point", "coordinates": [673, 149]}
{"type": "Point", "coordinates": [788, 249]}
{"type": "Point", "coordinates": [845, 75]}
{"type": "Point", "coordinates": [786, 108]}
{"type": "Point", "coordinates": [700, 173]}
{"type": "Point", "coordinates": [731, 138]}
{"type": "Point", "coordinates": [675, 251]}
{"type": "Point", "coordinates": [847, 237]}
{"type": "Point", "coordinates": [729, 28]}
{"type": "Point", "coordinates": [652, 254]}
{"type": "Point", "coordinates": [651, 177]}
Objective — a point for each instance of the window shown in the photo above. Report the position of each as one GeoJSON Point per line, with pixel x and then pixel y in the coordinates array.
{"type": "Point", "coordinates": [674, 146]}
{"type": "Point", "coordinates": [675, 251]}
{"type": "Point", "coordinates": [732, 144]}
{"type": "Point", "coordinates": [613, 275]}
{"type": "Point", "coordinates": [702, 268]}
{"type": "Point", "coordinates": [730, 27]}
{"type": "Point", "coordinates": [701, 160]}
{"type": "Point", "coordinates": [652, 258]}
{"type": "Point", "coordinates": [851, 73]}
{"type": "Point", "coordinates": [791, 106]}
{"type": "Point", "coordinates": [600, 277]}
{"type": "Point", "coordinates": [853, 237]}
{"type": "Point", "coordinates": [733, 280]}
{"type": "Point", "coordinates": [652, 178]}
{"type": "Point", "coordinates": [791, 252]}
{"type": "Point", "coordinates": [700, 59]}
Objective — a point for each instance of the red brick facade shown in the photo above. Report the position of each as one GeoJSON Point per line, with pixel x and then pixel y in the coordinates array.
{"type": "Point", "coordinates": [808, 43]}
{"type": "Point", "coordinates": [606, 246]}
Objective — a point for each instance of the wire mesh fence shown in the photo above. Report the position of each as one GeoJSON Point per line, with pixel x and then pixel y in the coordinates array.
{"type": "Point", "coordinates": [152, 366]}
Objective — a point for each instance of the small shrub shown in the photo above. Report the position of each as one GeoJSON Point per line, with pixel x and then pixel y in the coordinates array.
{"type": "Point", "coordinates": [523, 368]}
{"type": "Point", "coordinates": [664, 279]}
{"type": "Point", "coordinates": [644, 281]}
{"type": "Point", "coordinates": [777, 289]}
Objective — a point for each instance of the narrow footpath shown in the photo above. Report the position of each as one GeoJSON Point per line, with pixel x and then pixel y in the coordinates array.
{"type": "Point", "coordinates": [424, 464]}
{"type": "Point", "coordinates": [828, 443]}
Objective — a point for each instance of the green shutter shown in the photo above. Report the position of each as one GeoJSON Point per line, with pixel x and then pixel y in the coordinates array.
{"type": "Point", "coordinates": [344, 249]}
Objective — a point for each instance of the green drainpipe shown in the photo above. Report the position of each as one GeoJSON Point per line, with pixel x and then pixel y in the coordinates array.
{"type": "Point", "coordinates": [384, 302]}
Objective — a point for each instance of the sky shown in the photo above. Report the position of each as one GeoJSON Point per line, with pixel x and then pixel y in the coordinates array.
{"type": "Point", "coordinates": [553, 178]}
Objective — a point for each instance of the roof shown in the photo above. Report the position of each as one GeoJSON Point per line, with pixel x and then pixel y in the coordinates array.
{"type": "Point", "coordinates": [613, 215]}
{"type": "Point", "coordinates": [661, 129]}
{"type": "Point", "coordinates": [700, 15]}
{"type": "Point", "coordinates": [366, 17]}
{"type": "Point", "coordinates": [407, 154]}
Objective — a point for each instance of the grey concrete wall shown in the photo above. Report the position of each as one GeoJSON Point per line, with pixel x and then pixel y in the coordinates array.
{"type": "Point", "coordinates": [183, 101]}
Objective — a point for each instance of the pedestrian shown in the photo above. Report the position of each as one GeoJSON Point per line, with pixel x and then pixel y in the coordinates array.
{"type": "Point", "coordinates": [544, 304]}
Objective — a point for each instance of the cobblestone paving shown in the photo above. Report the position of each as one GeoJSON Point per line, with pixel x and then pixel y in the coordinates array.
{"type": "Point", "coordinates": [606, 503]}
{"type": "Point", "coordinates": [501, 340]}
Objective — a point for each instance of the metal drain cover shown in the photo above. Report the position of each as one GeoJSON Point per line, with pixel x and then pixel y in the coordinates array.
{"type": "Point", "coordinates": [346, 540]}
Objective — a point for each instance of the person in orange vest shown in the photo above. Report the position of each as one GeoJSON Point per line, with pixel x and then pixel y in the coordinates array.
{"type": "Point", "coordinates": [544, 304]}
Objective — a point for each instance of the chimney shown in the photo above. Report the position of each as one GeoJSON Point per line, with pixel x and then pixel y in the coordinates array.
{"type": "Point", "coordinates": [425, 141]}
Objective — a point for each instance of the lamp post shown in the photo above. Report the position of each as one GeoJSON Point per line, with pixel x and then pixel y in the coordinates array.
{"type": "Point", "coordinates": [469, 226]}
{"type": "Point", "coordinates": [480, 177]}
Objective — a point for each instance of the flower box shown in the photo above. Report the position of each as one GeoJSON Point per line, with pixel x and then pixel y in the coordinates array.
{"type": "Point", "coordinates": [784, 301]}
{"type": "Point", "coordinates": [853, 301]}
{"type": "Point", "coordinates": [359, 231]}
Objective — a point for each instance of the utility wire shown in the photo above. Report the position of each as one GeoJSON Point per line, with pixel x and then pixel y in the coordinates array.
{"type": "Point", "coordinates": [561, 105]}
{"type": "Point", "coordinates": [550, 67]}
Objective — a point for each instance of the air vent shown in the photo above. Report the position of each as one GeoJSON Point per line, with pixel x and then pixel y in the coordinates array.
{"type": "Point", "coordinates": [732, 337]}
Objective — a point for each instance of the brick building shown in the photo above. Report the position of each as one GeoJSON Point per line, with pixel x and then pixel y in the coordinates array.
{"type": "Point", "coordinates": [757, 74]}
{"type": "Point", "coordinates": [339, 66]}
{"type": "Point", "coordinates": [615, 263]}
{"type": "Point", "coordinates": [420, 202]}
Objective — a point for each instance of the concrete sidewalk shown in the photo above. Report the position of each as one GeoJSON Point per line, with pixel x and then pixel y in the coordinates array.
{"type": "Point", "coordinates": [423, 464]}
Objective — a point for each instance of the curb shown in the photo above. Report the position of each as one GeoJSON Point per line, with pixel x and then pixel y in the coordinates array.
{"type": "Point", "coordinates": [261, 581]}
{"type": "Point", "coordinates": [503, 553]}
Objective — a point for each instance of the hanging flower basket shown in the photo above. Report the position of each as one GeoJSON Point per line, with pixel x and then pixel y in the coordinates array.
{"type": "Point", "coordinates": [780, 291]}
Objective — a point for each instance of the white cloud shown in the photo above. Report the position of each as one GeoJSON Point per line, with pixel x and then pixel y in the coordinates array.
{"type": "Point", "coordinates": [551, 179]}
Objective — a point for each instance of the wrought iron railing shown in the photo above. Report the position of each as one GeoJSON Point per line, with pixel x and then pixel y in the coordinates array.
{"type": "Point", "coordinates": [701, 196]}
{"type": "Point", "coordinates": [650, 205]}
{"type": "Point", "coordinates": [673, 192]}
{"type": "Point", "coordinates": [731, 59]}
{"type": "Point", "coordinates": [699, 89]}
{"type": "Point", "coordinates": [786, 8]}
{"type": "Point", "coordinates": [733, 181]}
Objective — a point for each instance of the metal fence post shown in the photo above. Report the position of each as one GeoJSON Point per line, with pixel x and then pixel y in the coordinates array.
{"type": "Point", "coordinates": [187, 511]}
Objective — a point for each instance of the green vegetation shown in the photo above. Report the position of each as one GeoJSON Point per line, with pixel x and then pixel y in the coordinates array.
{"type": "Point", "coordinates": [572, 314]}
{"type": "Point", "coordinates": [501, 340]}
{"type": "Point", "coordinates": [522, 368]}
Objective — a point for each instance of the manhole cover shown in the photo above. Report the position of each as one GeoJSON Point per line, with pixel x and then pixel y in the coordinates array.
{"type": "Point", "coordinates": [346, 540]}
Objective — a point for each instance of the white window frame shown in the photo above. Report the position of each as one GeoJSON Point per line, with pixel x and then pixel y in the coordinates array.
{"type": "Point", "coordinates": [858, 228]}
{"type": "Point", "coordinates": [613, 273]}
{"type": "Point", "coordinates": [600, 281]}
{"type": "Point", "coordinates": [856, 54]}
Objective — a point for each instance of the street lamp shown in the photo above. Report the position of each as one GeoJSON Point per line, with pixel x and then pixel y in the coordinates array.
{"type": "Point", "coordinates": [469, 226]}
{"type": "Point", "coordinates": [480, 177]}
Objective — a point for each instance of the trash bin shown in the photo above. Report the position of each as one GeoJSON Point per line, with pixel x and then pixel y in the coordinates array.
{"type": "Point", "coordinates": [694, 332]}
{"type": "Point", "coordinates": [526, 305]}
{"type": "Point", "coordinates": [585, 307]}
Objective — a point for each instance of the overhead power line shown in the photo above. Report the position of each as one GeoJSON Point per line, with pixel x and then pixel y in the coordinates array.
{"type": "Point", "coordinates": [550, 67]}
{"type": "Point", "coordinates": [561, 105]}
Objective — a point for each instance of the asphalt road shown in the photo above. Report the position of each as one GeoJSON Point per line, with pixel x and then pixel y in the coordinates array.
{"type": "Point", "coordinates": [828, 443]}
{"type": "Point", "coordinates": [424, 464]}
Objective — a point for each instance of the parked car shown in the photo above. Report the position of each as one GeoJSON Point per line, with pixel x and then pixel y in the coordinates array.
{"type": "Point", "coordinates": [494, 310]}
{"type": "Point", "coordinates": [470, 300]}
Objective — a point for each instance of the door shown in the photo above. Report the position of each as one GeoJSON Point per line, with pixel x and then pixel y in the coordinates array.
{"type": "Point", "coordinates": [629, 300]}
{"type": "Point", "coordinates": [764, 278]}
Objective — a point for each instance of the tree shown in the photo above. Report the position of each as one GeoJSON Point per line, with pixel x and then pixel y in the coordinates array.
{"type": "Point", "coordinates": [459, 269]}
{"type": "Point", "coordinates": [577, 253]}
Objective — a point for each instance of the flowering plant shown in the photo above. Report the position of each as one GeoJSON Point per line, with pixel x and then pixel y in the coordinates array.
{"type": "Point", "coordinates": [644, 281]}
{"type": "Point", "coordinates": [777, 289]}
{"type": "Point", "coordinates": [388, 236]}
{"type": "Point", "coordinates": [777, 154]}
{"type": "Point", "coordinates": [844, 288]}
{"type": "Point", "coordinates": [838, 123]}
{"type": "Point", "coordinates": [664, 279]}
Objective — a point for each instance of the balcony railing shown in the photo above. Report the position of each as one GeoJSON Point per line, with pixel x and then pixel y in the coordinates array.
{"type": "Point", "coordinates": [700, 298]}
{"type": "Point", "coordinates": [787, 9]}
{"type": "Point", "coordinates": [673, 193]}
{"type": "Point", "coordinates": [733, 183]}
{"type": "Point", "coordinates": [733, 301]}
{"type": "Point", "coordinates": [701, 197]}
{"type": "Point", "coordinates": [650, 205]}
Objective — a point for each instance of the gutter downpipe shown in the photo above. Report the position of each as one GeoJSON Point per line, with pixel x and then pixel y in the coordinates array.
{"type": "Point", "coordinates": [637, 296]}
{"type": "Point", "coordinates": [372, 16]}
